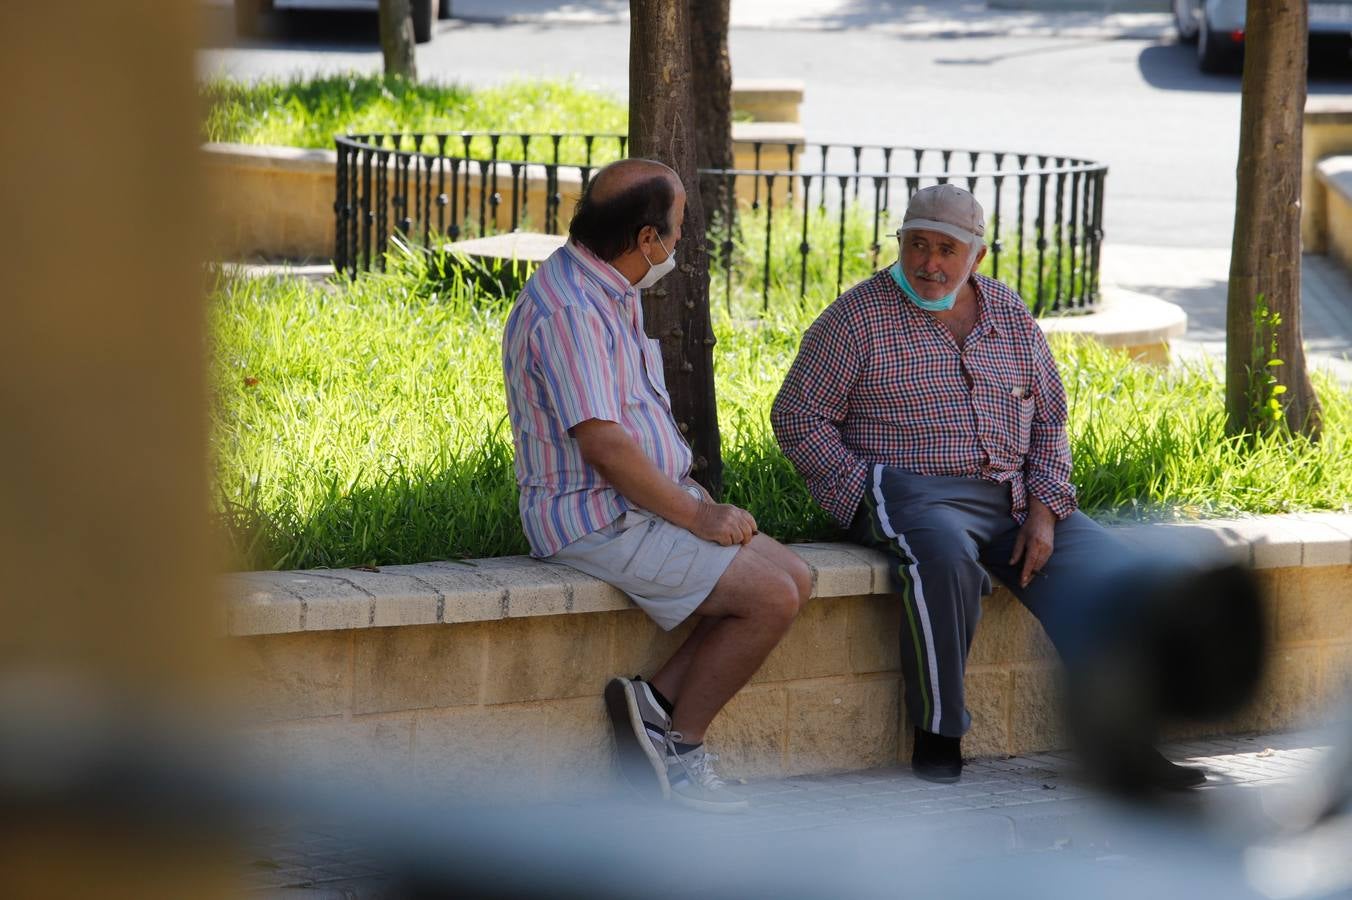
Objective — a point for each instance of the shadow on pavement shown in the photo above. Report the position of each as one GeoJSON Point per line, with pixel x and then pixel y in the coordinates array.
{"type": "Point", "coordinates": [296, 29]}
{"type": "Point", "coordinates": [1172, 66]}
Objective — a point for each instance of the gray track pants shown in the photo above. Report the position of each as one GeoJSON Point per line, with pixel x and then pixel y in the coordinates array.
{"type": "Point", "coordinates": [944, 534]}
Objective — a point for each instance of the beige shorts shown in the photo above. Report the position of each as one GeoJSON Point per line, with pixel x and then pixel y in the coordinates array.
{"type": "Point", "coordinates": [665, 569]}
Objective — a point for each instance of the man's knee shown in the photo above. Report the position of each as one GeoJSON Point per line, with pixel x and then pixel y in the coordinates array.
{"type": "Point", "coordinates": [801, 575]}
{"type": "Point", "coordinates": [954, 557]}
{"type": "Point", "coordinates": [781, 599]}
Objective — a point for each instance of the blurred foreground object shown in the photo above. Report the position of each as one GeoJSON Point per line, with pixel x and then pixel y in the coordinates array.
{"type": "Point", "coordinates": [103, 534]}
{"type": "Point", "coordinates": [1182, 646]}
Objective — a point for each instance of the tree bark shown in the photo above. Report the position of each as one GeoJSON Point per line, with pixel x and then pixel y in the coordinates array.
{"type": "Point", "coordinates": [1265, 255]}
{"type": "Point", "coordinates": [713, 100]}
{"type": "Point", "coordinates": [396, 38]}
{"type": "Point", "coordinates": [662, 126]}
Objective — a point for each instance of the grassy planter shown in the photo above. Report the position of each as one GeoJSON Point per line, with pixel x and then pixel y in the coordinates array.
{"type": "Point", "coordinates": [366, 424]}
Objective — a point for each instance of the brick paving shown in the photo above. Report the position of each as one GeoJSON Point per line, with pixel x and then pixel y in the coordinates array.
{"type": "Point", "coordinates": [1030, 804]}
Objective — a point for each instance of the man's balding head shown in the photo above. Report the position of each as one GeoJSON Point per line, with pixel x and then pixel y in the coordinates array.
{"type": "Point", "coordinates": [620, 201]}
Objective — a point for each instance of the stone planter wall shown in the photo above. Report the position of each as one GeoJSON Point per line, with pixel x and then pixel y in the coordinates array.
{"type": "Point", "coordinates": [488, 676]}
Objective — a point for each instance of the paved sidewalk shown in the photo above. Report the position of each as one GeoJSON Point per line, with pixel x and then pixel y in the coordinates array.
{"type": "Point", "coordinates": [1018, 805]}
{"type": "Point", "coordinates": [901, 18]}
{"type": "Point", "coordinates": [1196, 278]}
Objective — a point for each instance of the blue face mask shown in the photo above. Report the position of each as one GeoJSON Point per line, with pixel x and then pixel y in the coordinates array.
{"type": "Point", "coordinates": [944, 302]}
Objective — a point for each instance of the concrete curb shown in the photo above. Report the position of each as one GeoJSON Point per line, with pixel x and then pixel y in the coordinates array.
{"type": "Point", "coordinates": [1124, 319]}
{"type": "Point", "coordinates": [260, 603]}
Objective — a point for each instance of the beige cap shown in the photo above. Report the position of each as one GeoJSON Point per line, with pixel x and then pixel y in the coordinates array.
{"type": "Point", "coordinates": [946, 208]}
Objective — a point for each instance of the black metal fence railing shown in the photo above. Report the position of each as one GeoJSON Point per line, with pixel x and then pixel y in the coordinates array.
{"type": "Point", "coordinates": [802, 220]}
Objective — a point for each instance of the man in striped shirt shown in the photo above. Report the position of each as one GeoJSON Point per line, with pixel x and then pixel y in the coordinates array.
{"type": "Point", "coordinates": [605, 481]}
{"type": "Point", "coordinates": [926, 414]}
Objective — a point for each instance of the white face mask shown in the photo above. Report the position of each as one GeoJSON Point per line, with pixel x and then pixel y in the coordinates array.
{"type": "Point", "coordinates": [655, 272]}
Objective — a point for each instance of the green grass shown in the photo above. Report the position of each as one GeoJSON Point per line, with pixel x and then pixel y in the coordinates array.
{"type": "Point", "coordinates": [309, 111]}
{"type": "Point", "coordinates": [365, 424]}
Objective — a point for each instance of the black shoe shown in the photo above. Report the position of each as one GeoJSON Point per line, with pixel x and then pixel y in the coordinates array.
{"type": "Point", "coordinates": [936, 758]}
{"type": "Point", "coordinates": [1161, 774]}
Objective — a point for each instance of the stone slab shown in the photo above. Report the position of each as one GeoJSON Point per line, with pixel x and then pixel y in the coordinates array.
{"type": "Point", "coordinates": [751, 734]}
{"type": "Point", "coordinates": [413, 668]}
{"type": "Point", "coordinates": [1335, 172]}
{"type": "Point", "coordinates": [1123, 319]}
{"type": "Point", "coordinates": [873, 633]}
{"type": "Point", "coordinates": [258, 604]}
{"type": "Point", "coordinates": [483, 590]}
{"type": "Point", "coordinates": [290, 676]}
{"type": "Point", "coordinates": [815, 646]}
{"type": "Point", "coordinates": [292, 159]}
{"type": "Point", "coordinates": [512, 246]}
{"type": "Point", "coordinates": [546, 658]}
{"type": "Point", "coordinates": [836, 571]}
{"type": "Point", "coordinates": [1326, 537]}
{"type": "Point", "coordinates": [843, 725]}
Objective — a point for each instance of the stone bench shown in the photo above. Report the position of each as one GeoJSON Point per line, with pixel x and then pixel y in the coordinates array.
{"type": "Point", "coordinates": [490, 672]}
{"type": "Point", "coordinates": [1326, 131]}
{"type": "Point", "coordinates": [1136, 323]}
{"type": "Point", "coordinates": [768, 99]}
{"type": "Point", "coordinates": [1334, 177]}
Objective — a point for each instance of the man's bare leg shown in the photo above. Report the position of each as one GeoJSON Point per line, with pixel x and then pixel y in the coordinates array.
{"type": "Point", "coordinates": [669, 678]}
{"type": "Point", "coordinates": [745, 616]}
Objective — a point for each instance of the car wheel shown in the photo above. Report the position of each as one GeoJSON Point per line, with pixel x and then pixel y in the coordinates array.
{"type": "Point", "coordinates": [423, 20]}
{"type": "Point", "coordinates": [443, 9]}
{"type": "Point", "coordinates": [249, 16]}
{"type": "Point", "coordinates": [1185, 20]}
{"type": "Point", "coordinates": [1215, 53]}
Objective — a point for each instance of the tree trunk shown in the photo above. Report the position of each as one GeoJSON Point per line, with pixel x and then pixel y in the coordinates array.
{"type": "Point", "coordinates": [713, 101]}
{"type": "Point", "coordinates": [396, 38]}
{"type": "Point", "coordinates": [1265, 256]}
{"type": "Point", "coordinates": [662, 127]}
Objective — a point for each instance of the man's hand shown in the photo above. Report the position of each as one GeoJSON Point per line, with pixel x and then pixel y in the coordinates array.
{"type": "Point", "coordinates": [724, 524]}
{"type": "Point", "coordinates": [1034, 543]}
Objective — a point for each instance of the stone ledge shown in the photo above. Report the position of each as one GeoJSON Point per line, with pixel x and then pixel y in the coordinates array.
{"type": "Point", "coordinates": [1124, 319]}
{"type": "Point", "coordinates": [261, 603]}
{"type": "Point", "coordinates": [1335, 173]}
{"type": "Point", "coordinates": [768, 99]}
{"type": "Point", "coordinates": [510, 246]}
{"type": "Point", "coordinates": [292, 159]}
{"type": "Point", "coordinates": [768, 133]}
{"type": "Point", "coordinates": [1328, 110]}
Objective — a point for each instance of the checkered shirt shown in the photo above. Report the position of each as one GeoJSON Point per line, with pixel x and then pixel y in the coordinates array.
{"type": "Point", "coordinates": [878, 380]}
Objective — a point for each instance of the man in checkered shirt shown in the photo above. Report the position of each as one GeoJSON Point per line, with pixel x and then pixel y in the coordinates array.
{"type": "Point", "coordinates": [925, 412]}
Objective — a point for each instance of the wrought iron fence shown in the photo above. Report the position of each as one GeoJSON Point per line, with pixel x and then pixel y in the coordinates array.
{"type": "Point", "coordinates": [804, 219]}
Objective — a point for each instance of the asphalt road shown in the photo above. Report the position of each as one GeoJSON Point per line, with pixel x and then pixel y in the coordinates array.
{"type": "Point", "coordinates": [1069, 85]}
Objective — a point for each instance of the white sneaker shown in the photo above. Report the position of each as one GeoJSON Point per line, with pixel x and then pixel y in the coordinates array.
{"type": "Point", "coordinates": [694, 783]}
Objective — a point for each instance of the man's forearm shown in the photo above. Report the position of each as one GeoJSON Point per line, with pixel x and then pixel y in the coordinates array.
{"type": "Point", "coordinates": [813, 444]}
{"type": "Point", "coordinates": [620, 461]}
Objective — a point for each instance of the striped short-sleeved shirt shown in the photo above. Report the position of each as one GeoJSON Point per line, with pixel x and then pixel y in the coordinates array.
{"type": "Point", "coordinates": [574, 349]}
{"type": "Point", "coordinates": [878, 380]}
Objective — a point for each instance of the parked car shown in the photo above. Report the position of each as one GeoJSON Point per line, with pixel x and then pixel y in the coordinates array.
{"type": "Point", "coordinates": [249, 12]}
{"type": "Point", "coordinates": [1217, 28]}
